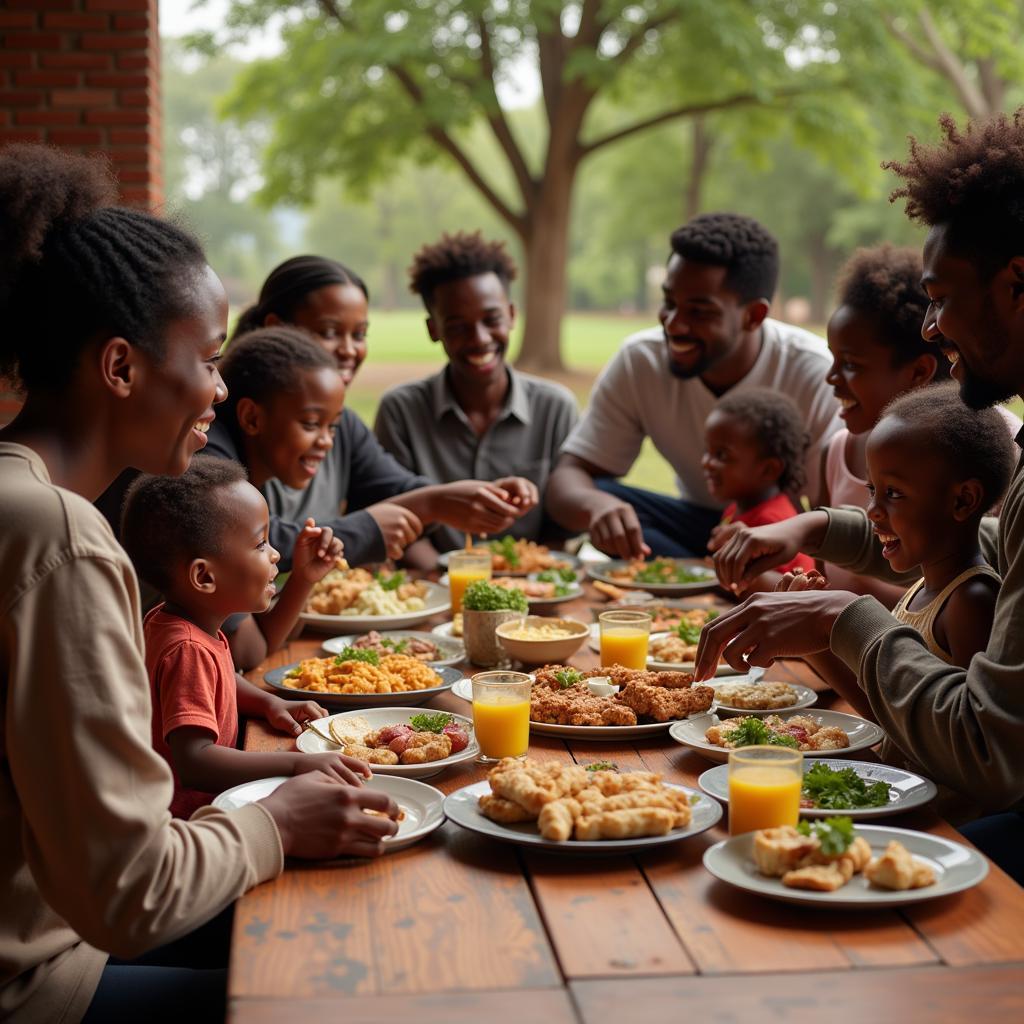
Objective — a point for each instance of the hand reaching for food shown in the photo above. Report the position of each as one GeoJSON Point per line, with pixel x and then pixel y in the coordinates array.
{"type": "Point", "coordinates": [316, 552]}
{"type": "Point", "coordinates": [797, 580]}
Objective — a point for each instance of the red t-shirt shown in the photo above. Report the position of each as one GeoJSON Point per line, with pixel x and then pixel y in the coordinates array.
{"type": "Point", "coordinates": [774, 510]}
{"type": "Point", "coordinates": [192, 678]}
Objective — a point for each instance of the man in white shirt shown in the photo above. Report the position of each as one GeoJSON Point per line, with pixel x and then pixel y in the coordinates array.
{"type": "Point", "coordinates": [715, 337]}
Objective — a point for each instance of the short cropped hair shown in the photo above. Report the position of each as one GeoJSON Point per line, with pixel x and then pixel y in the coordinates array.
{"type": "Point", "coordinates": [168, 521]}
{"type": "Point", "coordinates": [972, 182]}
{"type": "Point", "coordinates": [778, 427]}
{"type": "Point", "coordinates": [749, 253]}
{"type": "Point", "coordinates": [456, 257]}
{"type": "Point", "coordinates": [884, 285]}
{"type": "Point", "coordinates": [975, 443]}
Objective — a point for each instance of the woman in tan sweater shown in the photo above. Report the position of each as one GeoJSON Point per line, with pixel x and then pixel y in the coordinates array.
{"type": "Point", "coordinates": [113, 322]}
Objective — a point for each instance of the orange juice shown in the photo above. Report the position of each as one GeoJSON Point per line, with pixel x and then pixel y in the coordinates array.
{"type": "Point", "coordinates": [763, 796]}
{"type": "Point", "coordinates": [502, 726]}
{"type": "Point", "coordinates": [625, 646]}
{"type": "Point", "coordinates": [458, 580]}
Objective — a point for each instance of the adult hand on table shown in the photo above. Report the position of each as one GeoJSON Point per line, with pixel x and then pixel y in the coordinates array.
{"type": "Point", "coordinates": [615, 529]}
{"type": "Point", "coordinates": [321, 817]}
{"type": "Point", "coordinates": [770, 626]}
{"type": "Point", "coordinates": [398, 526]}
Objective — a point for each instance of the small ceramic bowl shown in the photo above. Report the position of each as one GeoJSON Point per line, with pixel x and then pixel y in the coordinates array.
{"type": "Point", "coordinates": [542, 651]}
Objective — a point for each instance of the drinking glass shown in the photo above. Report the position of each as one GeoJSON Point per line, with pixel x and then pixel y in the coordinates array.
{"type": "Point", "coordinates": [465, 567]}
{"type": "Point", "coordinates": [764, 787]}
{"type": "Point", "coordinates": [501, 714]}
{"type": "Point", "coordinates": [624, 636]}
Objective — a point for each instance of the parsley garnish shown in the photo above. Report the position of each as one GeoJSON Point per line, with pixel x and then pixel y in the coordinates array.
{"type": "Point", "coordinates": [602, 766]}
{"type": "Point", "coordinates": [835, 789]}
{"type": "Point", "coordinates": [834, 834]}
{"type": "Point", "coordinates": [431, 721]}
{"type": "Point", "coordinates": [482, 596]}
{"type": "Point", "coordinates": [752, 732]}
{"type": "Point", "coordinates": [357, 654]}
{"type": "Point", "coordinates": [392, 582]}
{"type": "Point", "coordinates": [506, 547]}
{"type": "Point", "coordinates": [396, 646]}
{"type": "Point", "coordinates": [566, 677]}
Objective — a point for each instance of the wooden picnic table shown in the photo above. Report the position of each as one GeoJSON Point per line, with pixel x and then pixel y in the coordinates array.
{"type": "Point", "coordinates": [462, 928]}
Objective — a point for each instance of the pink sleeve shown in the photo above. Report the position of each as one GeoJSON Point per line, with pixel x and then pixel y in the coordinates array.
{"type": "Point", "coordinates": [186, 687]}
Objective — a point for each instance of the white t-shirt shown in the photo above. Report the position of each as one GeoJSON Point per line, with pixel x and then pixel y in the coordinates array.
{"type": "Point", "coordinates": [637, 396]}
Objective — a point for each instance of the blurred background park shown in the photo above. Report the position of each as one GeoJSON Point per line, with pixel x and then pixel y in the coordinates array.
{"type": "Point", "coordinates": [581, 133]}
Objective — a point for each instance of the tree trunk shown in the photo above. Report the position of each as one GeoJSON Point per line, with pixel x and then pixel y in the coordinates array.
{"type": "Point", "coordinates": [820, 259]}
{"type": "Point", "coordinates": [700, 156]}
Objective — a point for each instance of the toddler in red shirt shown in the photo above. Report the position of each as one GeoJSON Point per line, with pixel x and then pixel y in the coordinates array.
{"type": "Point", "coordinates": [201, 540]}
{"type": "Point", "coordinates": [754, 450]}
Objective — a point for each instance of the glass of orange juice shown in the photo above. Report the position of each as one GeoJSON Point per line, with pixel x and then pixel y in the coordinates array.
{"type": "Point", "coordinates": [764, 788]}
{"type": "Point", "coordinates": [624, 636]}
{"type": "Point", "coordinates": [501, 714]}
{"type": "Point", "coordinates": [465, 567]}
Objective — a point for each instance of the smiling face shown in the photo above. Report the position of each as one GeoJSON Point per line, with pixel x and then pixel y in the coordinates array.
{"type": "Point", "coordinates": [289, 437]}
{"type": "Point", "coordinates": [864, 373]}
{"type": "Point", "coordinates": [978, 325]}
{"type": "Point", "coordinates": [702, 319]}
{"type": "Point", "coordinates": [473, 320]}
{"type": "Point", "coordinates": [336, 316]}
{"type": "Point", "coordinates": [735, 467]}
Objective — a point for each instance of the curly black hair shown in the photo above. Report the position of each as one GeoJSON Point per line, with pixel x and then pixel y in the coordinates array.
{"type": "Point", "coordinates": [973, 183]}
{"type": "Point", "coordinates": [289, 284]}
{"type": "Point", "coordinates": [168, 521]}
{"type": "Point", "coordinates": [884, 284]}
{"type": "Point", "coordinates": [74, 264]}
{"type": "Point", "coordinates": [456, 257]}
{"type": "Point", "coordinates": [749, 253]}
{"type": "Point", "coordinates": [265, 363]}
{"type": "Point", "coordinates": [976, 443]}
{"type": "Point", "coordinates": [778, 427]}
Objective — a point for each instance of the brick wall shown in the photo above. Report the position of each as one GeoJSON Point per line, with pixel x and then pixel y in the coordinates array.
{"type": "Point", "coordinates": [85, 75]}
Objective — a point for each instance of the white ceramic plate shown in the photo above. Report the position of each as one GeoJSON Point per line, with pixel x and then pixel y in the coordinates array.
{"type": "Point", "coordinates": [445, 630]}
{"type": "Point", "coordinates": [437, 600]}
{"type": "Point", "coordinates": [956, 867]}
{"type": "Point", "coordinates": [863, 734]}
{"type": "Point", "coordinates": [906, 791]}
{"type": "Point", "coordinates": [451, 650]}
{"type": "Point", "coordinates": [708, 579]}
{"type": "Point", "coordinates": [463, 808]}
{"type": "Point", "coordinates": [805, 697]}
{"type": "Point", "coordinates": [446, 678]}
{"type": "Point", "coordinates": [724, 668]}
{"type": "Point", "coordinates": [310, 742]}
{"type": "Point", "coordinates": [422, 805]}
{"type": "Point", "coordinates": [567, 560]}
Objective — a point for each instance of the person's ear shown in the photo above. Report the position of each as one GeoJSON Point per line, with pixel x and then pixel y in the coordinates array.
{"type": "Point", "coordinates": [511, 315]}
{"type": "Point", "coordinates": [272, 320]}
{"type": "Point", "coordinates": [119, 366]}
{"type": "Point", "coordinates": [201, 577]}
{"type": "Point", "coordinates": [771, 469]}
{"type": "Point", "coordinates": [968, 498]}
{"type": "Point", "coordinates": [432, 329]}
{"type": "Point", "coordinates": [922, 370]}
{"type": "Point", "coordinates": [754, 314]}
{"type": "Point", "coordinates": [249, 415]}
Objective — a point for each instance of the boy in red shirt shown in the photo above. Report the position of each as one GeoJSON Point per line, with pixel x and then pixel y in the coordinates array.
{"type": "Point", "coordinates": [201, 540]}
{"type": "Point", "coordinates": [754, 449]}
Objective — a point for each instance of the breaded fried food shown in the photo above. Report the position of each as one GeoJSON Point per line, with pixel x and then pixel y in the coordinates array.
{"type": "Point", "coordinates": [663, 704]}
{"type": "Point", "coordinates": [671, 799]}
{"type": "Point", "coordinates": [829, 737]}
{"type": "Point", "coordinates": [898, 869]}
{"type": "Point", "coordinates": [576, 705]}
{"type": "Point", "coordinates": [820, 877]}
{"type": "Point", "coordinates": [625, 824]}
{"type": "Point", "coordinates": [610, 783]}
{"type": "Point", "coordinates": [426, 746]}
{"type": "Point", "coordinates": [782, 849]}
{"type": "Point", "coordinates": [508, 812]}
{"type": "Point", "coordinates": [535, 785]}
{"type": "Point", "coordinates": [371, 755]}
{"type": "Point", "coordinates": [756, 696]}
{"type": "Point", "coordinates": [557, 818]}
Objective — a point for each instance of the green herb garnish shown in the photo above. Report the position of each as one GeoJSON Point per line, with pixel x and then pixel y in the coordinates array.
{"type": "Point", "coordinates": [506, 547]}
{"type": "Point", "coordinates": [834, 834]}
{"type": "Point", "coordinates": [482, 596]}
{"type": "Point", "coordinates": [396, 646]}
{"type": "Point", "coordinates": [665, 570]}
{"type": "Point", "coordinates": [431, 721]}
{"type": "Point", "coordinates": [833, 789]}
{"type": "Point", "coordinates": [557, 576]}
{"type": "Point", "coordinates": [752, 732]}
{"type": "Point", "coordinates": [392, 582]}
{"type": "Point", "coordinates": [357, 654]}
{"type": "Point", "coordinates": [602, 766]}
{"type": "Point", "coordinates": [567, 677]}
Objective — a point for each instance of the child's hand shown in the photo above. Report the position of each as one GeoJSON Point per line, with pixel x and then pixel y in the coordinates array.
{"type": "Point", "coordinates": [797, 579]}
{"type": "Point", "coordinates": [521, 492]}
{"type": "Point", "coordinates": [345, 769]}
{"type": "Point", "coordinates": [316, 551]}
{"type": "Point", "coordinates": [288, 716]}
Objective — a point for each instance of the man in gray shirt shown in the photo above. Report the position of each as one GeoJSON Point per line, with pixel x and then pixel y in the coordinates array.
{"type": "Point", "coordinates": [477, 417]}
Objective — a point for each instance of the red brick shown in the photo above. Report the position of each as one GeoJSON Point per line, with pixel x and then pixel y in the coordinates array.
{"type": "Point", "coordinates": [64, 117]}
{"type": "Point", "coordinates": [116, 117]}
{"type": "Point", "coordinates": [101, 41]}
{"type": "Point", "coordinates": [20, 135]}
{"type": "Point", "coordinates": [82, 97]}
{"type": "Point", "coordinates": [117, 80]}
{"type": "Point", "coordinates": [117, 5]}
{"type": "Point", "coordinates": [76, 137]}
{"type": "Point", "coordinates": [23, 19]}
{"type": "Point", "coordinates": [22, 99]}
{"type": "Point", "coordinates": [79, 22]}
{"type": "Point", "coordinates": [138, 196]}
{"type": "Point", "coordinates": [130, 177]}
{"type": "Point", "coordinates": [5, 118]}
{"type": "Point", "coordinates": [134, 62]}
{"type": "Point", "coordinates": [131, 138]}
{"type": "Point", "coordinates": [33, 40]}
{"type": "Point", "coordinates": [81, 61]}
{"type": "Point", "coordinates": [133, 98]}
{"type": "Point", "coordinates": [15, 60]}
{"type": "Point", "coordinates": [41, 5]}
{"type": "Point", "coordinates": [59, 78]}
{"type": "Point", "coordinates": [131, 22]}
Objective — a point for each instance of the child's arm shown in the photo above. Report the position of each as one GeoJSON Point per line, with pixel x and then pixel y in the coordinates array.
{"type": "Point", "coordinates": [421, 556]}
{"type": "Point", "coordinates": [284, 715]}
{"type": "Point", "coordinates": [202, 764]}
{"type": "Point", "coordinates": [963, 625]}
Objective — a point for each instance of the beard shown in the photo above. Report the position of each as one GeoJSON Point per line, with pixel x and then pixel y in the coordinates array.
{"type": "Point", "coordinates": [689, 372]}
{"type": "Point", "coordinates": [978, 393]}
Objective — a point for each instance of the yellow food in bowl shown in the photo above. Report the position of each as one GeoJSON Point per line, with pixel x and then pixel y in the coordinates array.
{"type": "Point", "coordinates": [549, 631]}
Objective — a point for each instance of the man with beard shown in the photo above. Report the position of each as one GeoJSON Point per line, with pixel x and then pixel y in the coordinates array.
{"type": "Point", "coordinates": [964, 727]}
{"type": "Point", "coordinates": [715, 337]}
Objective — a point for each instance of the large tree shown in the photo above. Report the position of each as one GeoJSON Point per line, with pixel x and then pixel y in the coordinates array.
{"type": "Point", "coordinates": [363, 84]}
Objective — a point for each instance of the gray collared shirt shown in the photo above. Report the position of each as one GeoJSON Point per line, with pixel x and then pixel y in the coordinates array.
{"type": "Point", "coordinates": [426, 429]}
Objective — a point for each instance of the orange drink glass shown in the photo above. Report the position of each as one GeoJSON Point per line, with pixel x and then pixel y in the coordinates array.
{"type": "Point", "coordinates": [501, 714]}
{"type": "Point", "coordinates": [764, 788]}
{"type": "Point", "coordinates": [465, 567]}
{"type": "Point", "coordinates": [624, 636]}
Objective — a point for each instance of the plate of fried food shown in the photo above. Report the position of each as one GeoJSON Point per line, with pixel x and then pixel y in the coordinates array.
{"type": "Point", "coordinates": [361, 678]}
{"type": "Point", "coordinates": [358, 600]}
{"type": "Point", "coordinates": [821, 734]}
{"type": "Point", "coordinates": [657, 576]}
{"type": "Point", "coordinates": [553, 805]}
{"type": "Point", "coordinates": [437, 652]}
{"type": "Point", "coordinates": [512, 556]}
{"type": "Point", "coordinates": [857, 789]}
{"type": "Point", "coordinates": [752, 695]}
{"type": "Point", "coordinates": [395, 741]}
{"type": "Point", "coordinates": [829, 863]}
{"type": "Point", "coordinates": [419, 806]}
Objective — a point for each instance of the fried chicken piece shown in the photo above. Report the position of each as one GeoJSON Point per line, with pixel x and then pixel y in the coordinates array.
{"type": "Point", "coordinates": [778, 850]}
{"type": "Point", "coordinates": [671, 799]}
{"type": "Point", "coordinates": [897, 869]}
{"type": "Point", "coordinates": [663, 704]}
{"type": "Point", "coordinates": [859, 853]}
{"type": "Point", "coordinates": [829, 737]}
{"type": "Point", "coordinates": [371, 755]}
{"type": "Point", "coordinates": [616, 674]}
{"type": "Point", "coordinates": [820, 877]}
{"type": "Point", "coordinates": [625, 824]}
{"type": "Point", "coordinates": [557, 818]}
{"type": "Point", "coordinates": [507, 812]}
{"type": "Point", "coordinates": [535, 785]}
{"type": "Point", "coordinates": [610, 783]}
{"type": "Point", "coordinates": [576, 705]}
{"type": "Point", "coordinates": [427, 746]}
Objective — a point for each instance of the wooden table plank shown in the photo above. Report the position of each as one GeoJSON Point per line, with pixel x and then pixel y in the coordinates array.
{"type": "Point", "coordinates": [926, 995]}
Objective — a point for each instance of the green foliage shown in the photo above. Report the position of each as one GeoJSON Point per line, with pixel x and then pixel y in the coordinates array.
{"type": "Point", "coordinates": [842, 788]}
{"type": "Point", "coordinates": [482, 596]}
{"type": "Point", "coordinates": [834, 834]}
